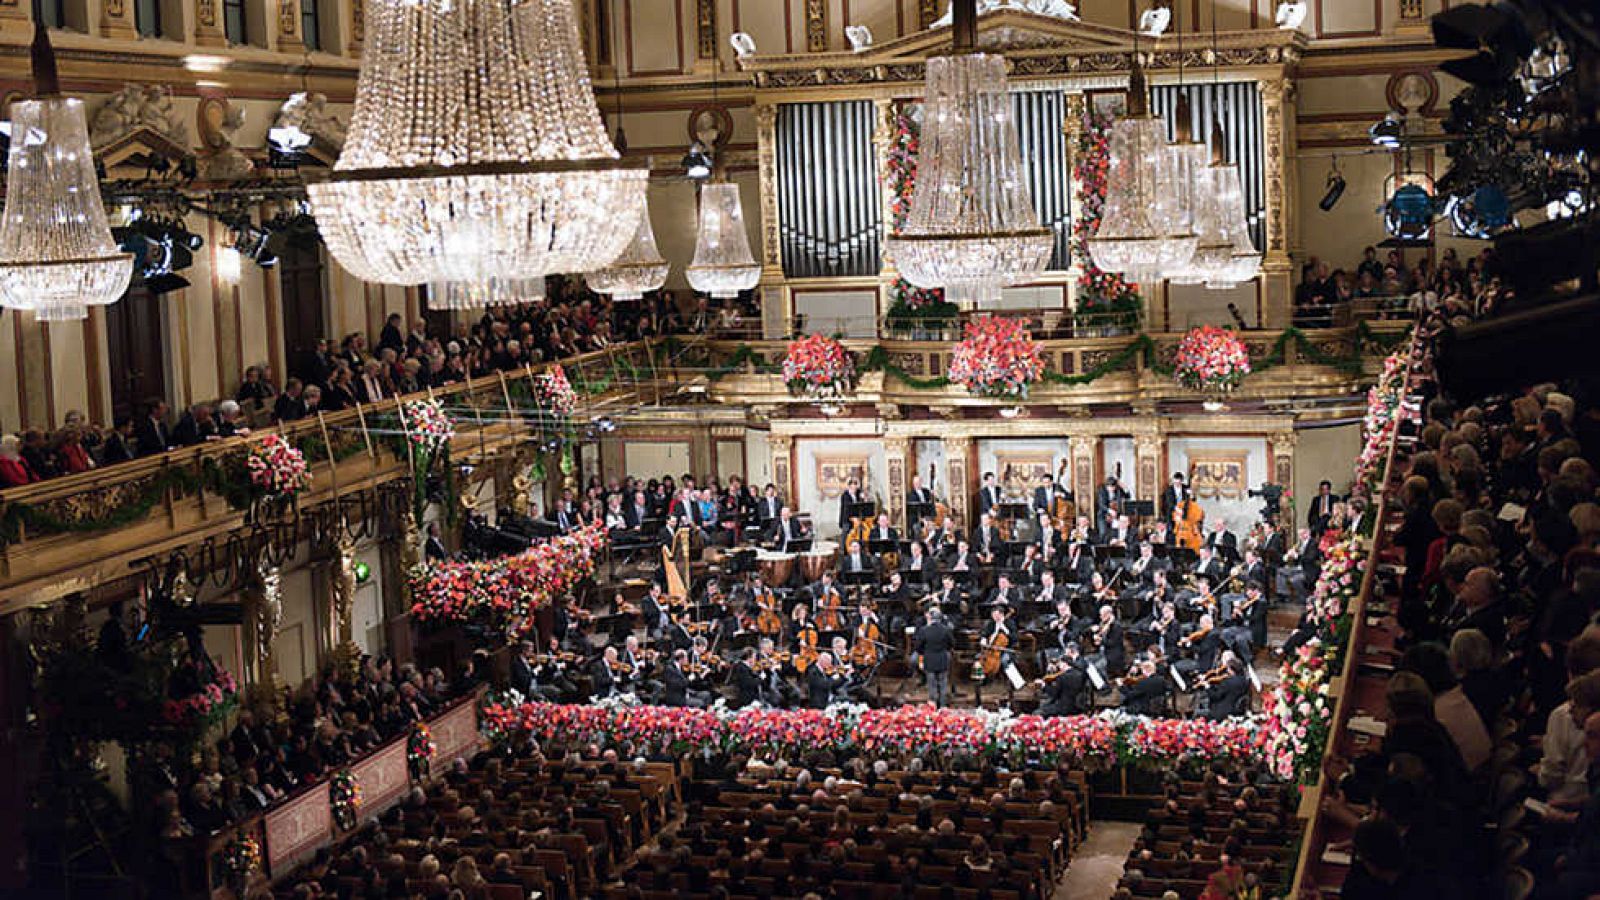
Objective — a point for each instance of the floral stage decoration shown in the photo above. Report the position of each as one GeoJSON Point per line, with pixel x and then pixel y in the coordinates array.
{"type": "Point", "coordinates": [420, 751]}
{"type": "Point", "coordinates": [922, 730]}
{"type": "Point", "coordinates": [1211, 360]}
{"type": "Point", "coordinates": [1099, 291]}
{"type": "Point", "coordinates": [997, 358]}
{"type": "Point", "coordinates": [557, 392]}
{"type": "Point", "coordinates": [1299, 715]}
{"type": "Point", "coordinates": [1381, 421]}
{"type": "Point", "coordinates": [344, 798]}
{"type": "Point", "coordinates": [503, 592]}
{"type": "Point", "coordinates": [1339, 581]}
{"type": "Point", "coordinates": [205, 706]}
{"type": "Point", "coordinates": [819, 367]}
{"type": "Point", "coordinates": [276, 467]}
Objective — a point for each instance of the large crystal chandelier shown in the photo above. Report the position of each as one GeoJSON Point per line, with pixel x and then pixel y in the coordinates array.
{"type": "Point", "coordinates": [57, 257]}
{"type": "Point", "coordinates": [1192, 166]}
{"type": "Point", "coordinates": [723, 265]}
{"type": "Point", "coordinates": [972, 228]}
{"type": "Point", "coordinates": [1144, 231]}
{"type": "Point", "coordinates": [638, 271]}
{"type": "Point", "coordinates": [476, 158]}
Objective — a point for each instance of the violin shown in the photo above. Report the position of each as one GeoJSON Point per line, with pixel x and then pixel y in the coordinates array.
{"type": "Point", "coordinates": [1217, 674]}
{"type": "Point", "coordinates": [806, 652]}
{"type": "Point", "coordinates": [564, 657]}
{"type": "Point", "coordinates": [1189, 639]}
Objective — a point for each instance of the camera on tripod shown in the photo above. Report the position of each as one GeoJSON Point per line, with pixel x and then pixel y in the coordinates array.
{"type": "Point", "coordinates": [1271, 495]}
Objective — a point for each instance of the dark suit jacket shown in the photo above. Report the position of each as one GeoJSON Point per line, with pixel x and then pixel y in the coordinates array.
{"type": "Point", "coordinates": [115, 449]}
{"type": "Point", "coordinates": [820, 687]}
{"type": "Point", "coordinates": [674, 686]}
{"type": "Point", "coordinates": [1229, 697]}
{"type": "Point", "coordinates": [746, 685]}
{"type": "Point", "coordinates": [847, 500]}
{"type": "Point", "coordinates": [152, 436]}
{"type": "Point", "coordinates": [866, 563]}
{"type": "Point", "coordinates": [783, 538]}
{"type": "Point", "coordinates": [768, 507]}
{"type": "Point", "coordinates": [391, 337]}
{"type": "Point", "coordinates": [521, 676]}
{"type": "Point", "coordinates": [601, 680]}
{"type": "Point", "coordinates": [934, 642]}
{"type": "Point", "coordinates": [189, 432]}
{"type": "Point", "coordinates": [988, 498]}
{"type": "Point", "coordinates": [1140, 698]}
{"type": "Point", "coordinates": [288, 408]}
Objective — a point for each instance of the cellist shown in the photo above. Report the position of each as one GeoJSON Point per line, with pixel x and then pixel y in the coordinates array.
{"type": "Point", "coordinates": [803, 635]}
{"type": "Point", "coordinates": [997, 641]}
{"type": "Point", "coordinates": [864, 652]}
{"type": "Point", "coordinates": [828, 602]}
{"type": "Point", "coordinates": [768, 622]}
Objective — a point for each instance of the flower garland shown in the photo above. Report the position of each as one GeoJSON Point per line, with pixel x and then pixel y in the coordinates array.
{"type": "Point", "coordinates": [1098, 290]}
{"type": "Point", "coordinates": [344, 797]}
{"type": "Point", "coordinates": [1299, 715]}
{"type": "Point", "coordinates": [1338, 582]}
{"type": "Point", "coordinates": [819, 366]}
{"type": "Point", "coordinates": [557, 391]}
{"type": "Point", "coordinates": [420, 751]}
{"type": "Point", "coordinates": [505, 591]}
{"type": "Point", "coordinates": [905, 731]}
{"type": "Point", "coordinates": [276, 467]}
{"type": "Point", "coordinates": [242, 856]}
{"type": "Point", "coordinates": [205, 706]}
{"type": "Point", "coordinates": [996, 358]}
{"type": "Point", "coordinates": [1211, 359]}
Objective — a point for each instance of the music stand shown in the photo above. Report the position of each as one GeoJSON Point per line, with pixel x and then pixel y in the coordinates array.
{"type": "Point", "coordinates": [863, 510]}
{"type": "Point", "coordinates": [1015, 509]}
{"type": "Point", "coordinates": [916, 512]}
{"type": "Point", "coordinates": [803, 545]}
{"type": "Point", "coordinates": [880, 547]}
{"type": "Point", "coordinates": [1183, 557]}
{"type": "Point", "coordinates": [859, 579]}
{"type": "Point", "coordinates": [1140, 507]}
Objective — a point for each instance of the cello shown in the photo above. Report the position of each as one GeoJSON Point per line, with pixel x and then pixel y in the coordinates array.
{"type": "Point", "coordinates": [829, 617]}
{"type": "Point", "coordinates": [768, 621]}
{"type": "Point", "coordinates": [864, 652]}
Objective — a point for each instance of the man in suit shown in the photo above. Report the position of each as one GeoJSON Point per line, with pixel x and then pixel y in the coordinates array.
{"type": "Point", "coordinates": [1049, 539]}
{"type": "Point", "coordinates": [522, 669]}
{"type": "Point", "coordinates": [369, 387]}
{"type": "Point", "coordinates": [1254, 571]}
{"type": "Point", "coordinates": [1112, 649]}
{"type": "Point", "coordinates": [1044, 496]}
{"type": "Point", "coordinates": [654, 611]}
{"type": "Point", "coordinates": [1145, 566]}
{"type": "Point", "coordinates": [851, 497]}
{"type": "Point", "coordinates": [918, 495]}
{"type": "Point", "coordinates": [674, 684]}
{"type": "Point", "coordinates": [989, 496]}
{"type": "Point", "coordinates": [822, 681]}
{"type": "Point", "coordinates": [196, 427]}
{"type": "Point", "coordinates": [563, 517]}
{"type": "Point", "coordinates": [602, 682]}
{"type": "Point", "coordinates": [769, 506]}
{"type": "Point", "coordinates": [1208, 567]}
{"type": "Point", "coordinates": [118, 446]}
{"type": "Point", "coordinates": [747, 685]}
{"type": "Point", "coordinates": [390, 336]}
{"type": "Point", "coordinates": [917, 566]}
{"type": "Point", "coordinates": [151, 434]}
{"type": "Point", "coordinates": [1144, 697]}
{"type": "Point", "coordinates": [636, 510]}
{"type": "Point", "coordinates": [934, 641]}
{"type": "Point", "coordinates": [1172, 495]}
{"type": "Point", "coordinates": [1301, 564]}
{"type": "Point", "coordinates": [1230, 696]}
{"type": "Point", "coordinates": [433, 548]}
{"type": "Point", "coordinates": [1064, 685]}
{"type": "Point", "coordinates": [883, 531]}
{"type": "Point", "coordinates": [949, 596]}
{"type": "Point", "coordinates": [1109, 500]}
{"type": "Point", "coordinates": [986, 542]}
{"type": "Point", "coordinates": [1222, 541]}
{"type": "Point", "coordinates": [857, 560]}
{"type": "Point", "coordinates": [1321, 507]}
{"type": "Point", "coordinates": [291, 405]}
{"type": "Point", "coordinates": [1005, 594]}
{"type": "Point", "coordinates": [787, 531]}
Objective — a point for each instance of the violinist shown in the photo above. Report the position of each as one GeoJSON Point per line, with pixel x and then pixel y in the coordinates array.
{"type": "Point", "coordinates": [823, 682]}
{"type": "Point", "coordinates": [608, 678]}
{"type": "Point", "coordinates": [1031, 567]}
{"type": "Point", "coordinates": [522, 669]}
{"type": "Point", "coordinates": [1202, 644]}
{"type": "Point", "coordinates": [803, 638]}
{"type": "Point", "coordinates": [1108, 639]}
{"type": "Point", "coordinates": [1161, 630]}
{"type": "Point", "coordinates": [1244, 615]}
{"type": "Point", "coordinates": [1227, 689]}
{"type": "Point", "coordinates": [1063, 684]}
{"type": "Point", "coordinates": [829, 603]}
{"type": "Point", "coordinates": [893, 591]}
{"type": "Point", "coordinates": [852, 677]}
{"type": "Point", "coordinates": [749, 686]}
{"type": "Point", "coordinates": [1144, 689]}
{"type": "Point", "coordinates": [674, 685]}
{"type": "Point", "coordinates": [655, 611]}
{"type": "Point", "coordinates": [1064, 626]}
{"type": "Point", "coordinates": [775, 691]}
{"type": "Point", "coordinates": [1208, 568]}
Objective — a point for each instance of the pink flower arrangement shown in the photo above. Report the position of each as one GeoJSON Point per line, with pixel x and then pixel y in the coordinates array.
{"type": "Point", "coordinates": [276, 467]}
{"type": "Point", "coordinates": [1211, 359]}
{"type": "Point", "coordinates": [508, 589]}
{"type": "Point", "coordinates": [204, 706]}
{"type": "Point", "coordinates": [557, 391]}
{"type": "Point", "coordinates": [996, 358]}
{"type": "Point", "coordinates": [1299, 715]}
{"type": "Point", "coordinates": [818, 366]}
{"type": "Point", "coordinates": [1339, 582]}
{"type": "Point", "coordinates": [1170, 739]}
{"type": "Point", "coordinates": [430, 428]}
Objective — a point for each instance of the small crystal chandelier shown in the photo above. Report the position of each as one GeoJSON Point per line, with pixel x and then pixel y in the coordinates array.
{"type": "Point", "coordinates": [723, 265]}
{"type": "Point", "coordinates": [1225, 255]}
{"type": "Point", "coordinates": [57, 256]}
{"type": "Point", "coordinates": [476, 159]}
{"type": "Point", "coordinates": [638, 271]}
{"type": "Point", "coordinates": [1143, 232]}
{"type": "Point", "coordinates": [972, 228]}
{"type": "Point", "coordinates": [1193, 172]}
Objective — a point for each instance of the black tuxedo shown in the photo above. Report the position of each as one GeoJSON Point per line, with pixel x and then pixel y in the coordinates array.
{"type": "Point", "coordinates": [190, 432]}
{"type": "Point", "coordinates": [934, 642]}
{"type": "Point", "coordinates": [847, 500]}
{"type": "Point", "coordinates": [1169, 502]}
{"type": "Point", "coordinates": [987, 541]}
{"type": "Point", "coordinates": [820, 687]}
{"type": "Point", "coordinates": [370, 389]}
{"type": "Point", "coordinates": [602, 684]}
{"type": "Point", "coordinates": [1143, 697]}
{"type": "Point", "coordinates": [152, 436]}
{"type": "Point", "coordinates": [746, 684]}
{"type": "Point", "coordinates": [289, 409]}
{"type": "Point", "coordinates": [674, 686]}
{"type": "Point", "coordinates": [635, 514]}
{"type": "Point", "coordinates": [859, 562]}
{"type": "Point", "coordinates": [1061, 694]}
{"type": "Point", "coordinates": [521, 676]}
{"type": "Point", "coordinates": [883, 534]}
{"type": "Point", "coordinates": [988, 499]}
{"type": "Point", "coordinates": [918, 497]}
{"type": "Point", "coordinates": [785, 535]}
{"type": "Point", "coordinates": [1113, 650]}
{"type": "Point", "coordinates": [1223, 543]}
{"type": "Point", "coordinates": [1229, 697]}
{"type": "Point", "coordinates": [768, 507]}
{"type": "Point", "coordinates": [1319, 511]}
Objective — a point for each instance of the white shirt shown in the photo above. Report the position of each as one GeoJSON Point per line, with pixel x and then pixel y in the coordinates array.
{"type": "Point", "coordinates": [1563, 771]}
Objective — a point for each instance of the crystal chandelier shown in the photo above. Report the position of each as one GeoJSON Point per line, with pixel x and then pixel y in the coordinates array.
{"type": "Point", "coordinates": [1191, 167]}
{"type": "Point", "coordinates": [723, 265]}
{"type": "Point", "coordinates": [57, 257]}
{"type": "Point", "coordinates": [476, 158]}
{"type": "Point", "coordinates": [1143, 231]}
{"type": "Point", "coordinates": [638, 271]}
{"type": "Point", "coordinates": [972, 228]}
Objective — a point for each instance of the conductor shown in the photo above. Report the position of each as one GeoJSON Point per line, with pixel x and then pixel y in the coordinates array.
{"type": "Point", "coordinates": [932, 651]}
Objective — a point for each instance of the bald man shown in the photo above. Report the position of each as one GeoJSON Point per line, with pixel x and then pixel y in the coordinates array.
{"type": "Point", "coordinates": [1478, 606]}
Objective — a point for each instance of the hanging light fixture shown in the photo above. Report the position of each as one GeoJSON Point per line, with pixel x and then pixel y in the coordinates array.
{"type": "Point", "coordinates": [476, 159]}
{"type": "Point", "coordinates": [57, 256]}
{"type": "Point", "coordinates": [640, 269]}
{"type": "Point", "coordinates": [972, 228]}
{"type": "Point", "coordinates": [1190, 183]}
{"type": "Point", "coordinates": [723, 265]}
{"type": "Point", "coordinates": [1240, 261]}
{"type": "Point", "coordinates": [1142, 232]}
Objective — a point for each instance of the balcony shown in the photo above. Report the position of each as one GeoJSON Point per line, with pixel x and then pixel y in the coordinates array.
{"type": "Point", "coordinates": [69, 534]}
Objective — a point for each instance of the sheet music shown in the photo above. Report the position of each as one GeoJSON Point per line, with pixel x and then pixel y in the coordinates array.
{"type": "Point", "coordinates": [1177, 679]}
{"type": "Point", "coordinates": [1255, 680]}
{"type": "Point", "coordinates": [1095, 678]}
{"type": "Point", "coordinates": [1014, 675]}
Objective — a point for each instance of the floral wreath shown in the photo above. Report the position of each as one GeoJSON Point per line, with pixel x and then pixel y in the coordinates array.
{"type": "Point", "coordinates": [276, 467]}
{"type": "Point", "coordinates": [1211, 359]}
{"type": "Point", "coordinates": [818, 366]}
{"type": "Point", "coordinates": [242, 856]}
{"type": "Point", "coordinates": [344, 796]}
{"type": "Point", "coordinates": [420, 751]}
{"type": "Point", "coordinates": [209, 704]}
{"type": "Point", "coordinates": [1098, 290]}
{"type": "Point", "coordinates": [428, 426]}
{"type": "Point", "coordinates": [996, 358]}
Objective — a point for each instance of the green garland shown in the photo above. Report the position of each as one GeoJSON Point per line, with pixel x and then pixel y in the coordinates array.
{"type": "Point", "coordinates": [19, 517]}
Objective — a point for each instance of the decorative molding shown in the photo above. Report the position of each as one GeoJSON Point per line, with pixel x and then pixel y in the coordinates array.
{"type": "Point", "coordinates": [927, 12]}
{"type": "Point", "coordinates": [816, 25]}
{"type": "Point", "coordinates": [767, 174]}
{"type": "Point", "coordinates": [1274, 96]}
{"type": "Point", "coordinates": [138, 107]}
{"type": "Point", "coordinates": [705, 29]}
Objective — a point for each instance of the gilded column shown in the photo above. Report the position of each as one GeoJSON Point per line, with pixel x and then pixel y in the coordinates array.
{"type": "Point", "coordinates": [705, 36]}
{"type": "Point", "coordinates": [1072, 129]}
{"type": "Point", "coordinates": [782, 449]}
{"type": "Point", "coordinates": [1281, 451]}
{"type": "Point", "coordinates": [287, 31]}
{"type": "Point", "coordinates": [776, 309]}
{"type": "Point", "coordinates": [884, 113]}
{"type": "Point", "coordinates": [1084, 447]}
{"type": "Point", "coordinates": [116, 19]}
{"type": "Point", "coordinates": [897, 456]}
{"type": "Point", "coordinates": [1147, 450]}
{"type": "Point", "coordinates": [263, 602]}
{"type": "Point", "coordinates": [1277, 306]}
{"type": "Point", "coordinates": [208, 30]}
{"type": "Point", "coordinates": [957, 463]}
{"type": "Point", "coordinates": [355, 27]}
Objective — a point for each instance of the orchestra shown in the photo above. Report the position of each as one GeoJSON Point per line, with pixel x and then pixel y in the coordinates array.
{"type": "Point", "coordinates": [1114, 604]}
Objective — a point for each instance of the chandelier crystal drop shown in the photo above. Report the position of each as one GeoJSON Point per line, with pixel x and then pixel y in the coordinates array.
{"type": "Point", "coordinates": [472, 295]}
{"type": "Point", "coordinates": [972, 228]}
{"type": "Point", "coordinates": [476, 155]}
{"type": "Point", "coordinates": [723, 265]}
{"type": "Point", "coordinates": [57, 256]}
{"type": "Point", "coordinates": [1244, 261]}
{"type": "Point", "coordinates": [638, 271]}
{"type": "Point", "coordinates": [1144, 231]}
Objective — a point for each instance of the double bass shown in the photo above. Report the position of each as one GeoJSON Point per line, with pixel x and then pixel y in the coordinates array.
{"type": "Point", "coordinates": [1062, 510]}
{"type": "Point", "coordinates": [1188, 520]}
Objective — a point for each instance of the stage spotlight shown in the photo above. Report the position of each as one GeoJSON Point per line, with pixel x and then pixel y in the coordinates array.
{"type": "Point", "coordinates": [1335, 190]}
{"type": "Point", "coordinates": [1388, 131]}
{"type": "Point", "coordinates": [697, 162]}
